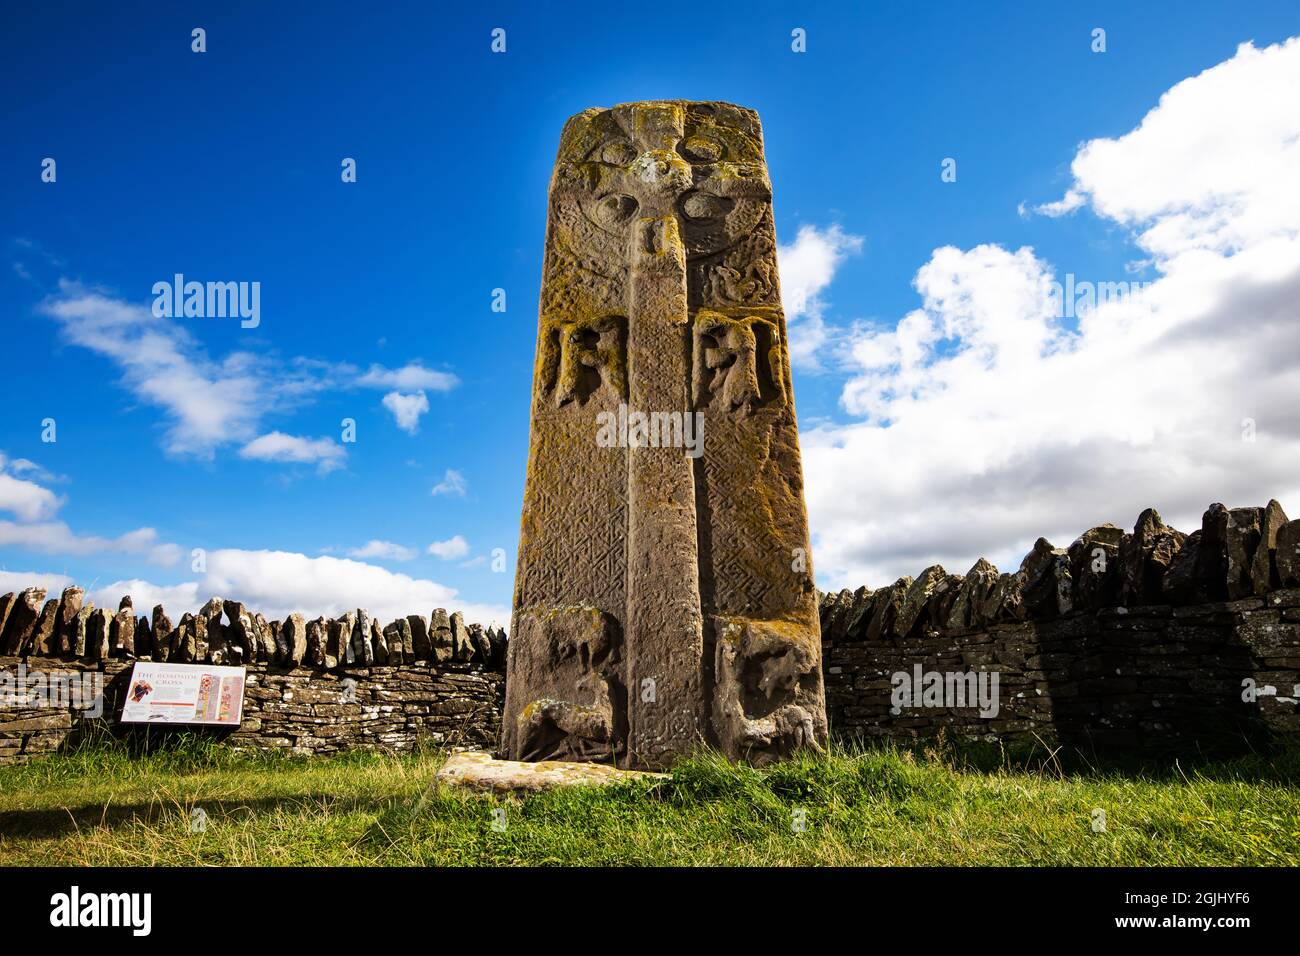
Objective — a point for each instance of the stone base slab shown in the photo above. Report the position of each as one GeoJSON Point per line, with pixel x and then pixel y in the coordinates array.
{"type": "Point", "coordinates": [482, 772]}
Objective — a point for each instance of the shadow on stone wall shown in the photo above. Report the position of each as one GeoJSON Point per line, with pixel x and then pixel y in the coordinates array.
{"type": "Point", "coordinates": [1150, 643]}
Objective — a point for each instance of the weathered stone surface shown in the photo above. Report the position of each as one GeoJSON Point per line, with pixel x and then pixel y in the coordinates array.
{"type": "Point", "coordinates": [834, 611]}
{"type": "Point", "coordinates": [318, 631]}
{"type": "Point", "coordinates": [499, 644]}
{"type": "Point", "coordinates": [462, 649]}
{"type": "Point", "coordinates": [240, 641]}
{"type": "Point", "coordinates": [378, 644]}
{"type": "Point", "coordinates": [22, 620]}
{"type": "Point", "coordinates": [1047, 590]}
{"type": "Point", "coordinates": [214, 629]}
{"type": "Point", "coordinates": [421, 643]}
{"type": "Point", "coordinates": [6, 605]}
{"type": "Point", "coordinates": [98, 646]}
{"type": "Point", "coordinates": [1241, 541]}
{"type": "Point", "coordinates": [406, 642]}
{"type": "Point", "coordinates": [122, 631]}
{"type": "Point", "coordinates": [264, 638]}
{"type": "Point", "coordinates": [195, 642]}
{"type": "Point", "coordinates": [856, 616]}
{"type": "Point", "coordinates": [1006, 602]}
{"type": "Point", "coordinates": [886, 608]}
{"type": "Point", "coordinates": [1095, 569]}
{"type": "Point", "coordinates": [70, 602]}
{"type": "Point", "coordinates": [392, 637]}
{"type": "Point", "coordinates": [363, 651]}
{"type": "Point", "coordinates": [143, 638]}
{"type": "Point", "coordinates": [917, 597]}
{"type": "Point", "coordinates": [43, 639]}
{"type": "Point", "coordinates": [1212, 554]}
{"type": "Point", "coordinates": [1288, 554]}
{"type": "Point", "coordinates": [968, 608]}
{"type": "Point", "coordinates": [586, 655]}
{"type": "Point", "coordinates": [164, 635]}
{"type": "Point", "coordinates": [1146, 556]}
{"type": "Point", "coordinates": [291, 647]}
{"type": "Point", "coordinates": [80, 625]}
{"type": "Point", "coordinates": [440, 635]}
{"type": "Point", "coordinates": [474, 770]}
{"type": "Point", "coordinates": [482, 645]}
{"type": "Point", "coordinates": [660, 298]}
{"type": "Point", "coordinates": [1263, 567]}
{"type": "Point", "coordinates": [346, 625]}
{"type": "Point", "coordinates": [1180, 584]}
{"type": "Point", "coordinates": [338, 649]}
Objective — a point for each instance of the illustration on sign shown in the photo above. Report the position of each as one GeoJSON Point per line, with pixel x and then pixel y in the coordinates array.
{"type": "Point", "coordinates": [184, 694]}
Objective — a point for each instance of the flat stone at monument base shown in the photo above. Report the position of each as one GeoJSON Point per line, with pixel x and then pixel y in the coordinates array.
{"type": "Point", "coordinates": [475, 770]}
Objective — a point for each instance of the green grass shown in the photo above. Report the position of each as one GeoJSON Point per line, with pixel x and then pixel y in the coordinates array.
{"type": "Point", "coordinates": [103, 806]}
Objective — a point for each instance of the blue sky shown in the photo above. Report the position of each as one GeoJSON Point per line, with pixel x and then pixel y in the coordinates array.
{"type": "Point", "coordinates": [225, 166]}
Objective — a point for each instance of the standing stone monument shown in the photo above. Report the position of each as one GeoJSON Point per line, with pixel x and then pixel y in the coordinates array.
{"type": "Point", "coordinates": [664, 596]}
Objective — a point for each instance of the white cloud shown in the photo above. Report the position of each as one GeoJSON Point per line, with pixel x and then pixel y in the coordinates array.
{"type": "Point", "coordinates": [278, 583]}
{"type": "Point", "coordinates": [453, 483]}
{"type": "Point", "coordinates": [208, 402]}
{"type": "Point", "coordinates": [325, 453]}
{"type": "Point", "coordinates": [26, 500]}
{"type": "Point", "coordinates": [16, 581]}
{"type": "Point", "coordinates": [407, 409]}
{"type": "Point", "coordinates": [383, 550]}
{"type": "Point", "coordinates": [55, 537]}
{"type": "Point", "coordinates": [984, 421]}
{"type": "Point", "coordinates": [175, 598]}
{"type": "Point", "coordinates": [1072, 200]}
{"type": "Point", "coordinates": [409, 378]}
{"type": "Point", "coordinates": [1213, 167]}
{"type": "Point", "coordinates": [36, 530]}
{"type": "Point", "coordinates": [807, 267]}
{"type": "Point", "coordinates": [456, 547]}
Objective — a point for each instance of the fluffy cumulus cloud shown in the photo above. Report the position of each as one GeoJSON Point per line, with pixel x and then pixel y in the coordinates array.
{"type": "Point", "coordinates": [384, 551]}
{"type": "Point", "coordinates": [34, 526]}
{"type": "Point", "coordinates": [410, 377]}
{"type": "Point", "coordinates": [209, 402]}
{"type": "Point", "coordinates": [23, 497]}
{"type": "Point", "coordinates": [807, 267]}
{"type": "Point", "coordinates": [982, 419]}
{"type": "Point", "coordinates": [407, 409]}
{"type": "Point", "coordinates": [279, 583]}
{"type": "Point", "coordinates": [454, 547]}
{"type": "Point", "coordinates": [325, 453]}
{"type": "Point", "coordinates": [18, 580]}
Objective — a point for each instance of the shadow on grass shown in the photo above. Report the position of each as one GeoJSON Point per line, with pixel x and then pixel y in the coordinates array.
{"type": "Point", "coordinates": [58, 822]}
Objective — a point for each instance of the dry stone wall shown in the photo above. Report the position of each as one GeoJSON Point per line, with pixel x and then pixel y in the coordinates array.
{"type": "Point", "coordinates": [1123, 642]}
{"type": "Point", "coordinates": [318, 686]}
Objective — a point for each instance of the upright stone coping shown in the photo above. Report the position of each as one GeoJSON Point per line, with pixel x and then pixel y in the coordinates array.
{"type": "Point", "coordinates": [475, 770]}
{"type": "Point", "coordinates": [71, 628]}
{"type": "Point", "coordinates": [664, 595]}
